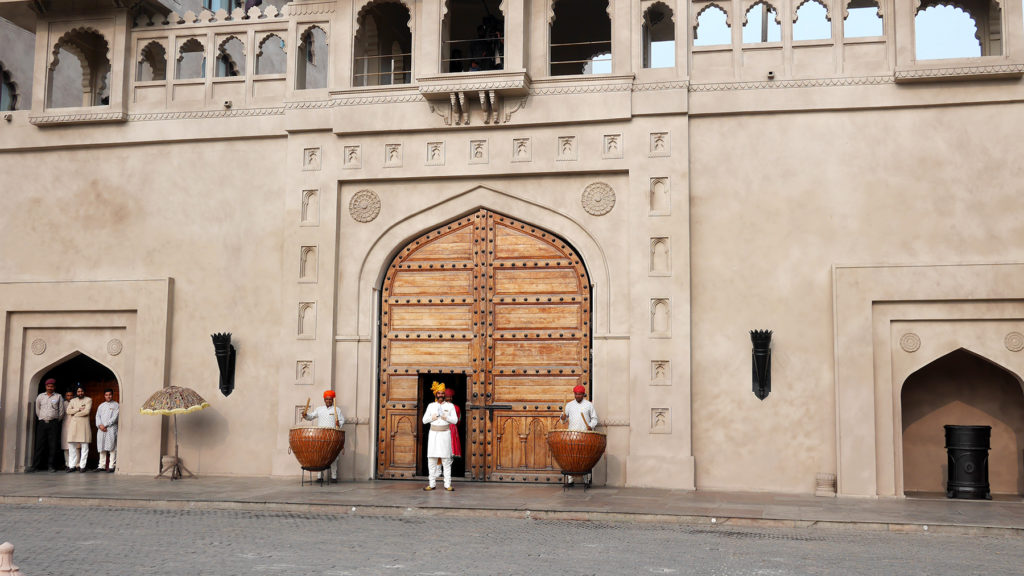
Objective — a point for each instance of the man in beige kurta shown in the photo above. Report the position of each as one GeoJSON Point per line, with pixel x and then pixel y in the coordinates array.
{"type": "Point", "coordinates": [79, 430]}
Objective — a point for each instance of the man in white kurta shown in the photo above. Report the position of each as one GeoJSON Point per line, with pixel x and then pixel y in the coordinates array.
{"type": "Point", "coordinates": [79, 430]}
{"type": "Point", "coordinates": [439, 415]}
{"type": "Point", "coordinates": [68, 395]}
{"type": "Point", "coordinates": [327, 416]}
{"type": "Point", "coordinates": [106, 435]}
{"type": "Point", "coordinates": [579, 413]}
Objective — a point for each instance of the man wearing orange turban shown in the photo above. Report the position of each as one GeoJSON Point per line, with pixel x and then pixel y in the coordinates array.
{"type": "Point", "coordinates": [580, 414]}
{"type": "Point", "coordinates": [440, 414]}
{"type": "Point", "coordinates": [327, 416]}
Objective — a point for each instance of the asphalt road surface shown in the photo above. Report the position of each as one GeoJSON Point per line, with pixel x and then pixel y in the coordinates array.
{"type": "Point", "coordinates": [55, 540]}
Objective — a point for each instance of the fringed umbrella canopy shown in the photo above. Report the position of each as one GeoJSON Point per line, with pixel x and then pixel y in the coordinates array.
{"type": "Point", "coordinates": [174, 400]}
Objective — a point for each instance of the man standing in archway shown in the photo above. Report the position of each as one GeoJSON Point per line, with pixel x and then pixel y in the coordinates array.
{"type": "Point", "coordinates": [439, 415]}
{"type": "Point", "coordinates": [106, 435]}
{"type": "Point", "coordinates": [50, 414]}
{"type": "Point", "coordinates": [79, 430]}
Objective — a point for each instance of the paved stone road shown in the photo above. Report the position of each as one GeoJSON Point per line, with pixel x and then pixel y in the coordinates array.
{"type": "Point", "coordinates": [53, 540]}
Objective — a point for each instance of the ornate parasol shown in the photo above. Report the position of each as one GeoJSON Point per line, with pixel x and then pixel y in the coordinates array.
{"type": "Point", "coordinates": [171, 401]}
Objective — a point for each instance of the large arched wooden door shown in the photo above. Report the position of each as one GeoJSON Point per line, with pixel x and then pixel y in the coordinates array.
{"type": "Point", "coordinates": [507, 305]}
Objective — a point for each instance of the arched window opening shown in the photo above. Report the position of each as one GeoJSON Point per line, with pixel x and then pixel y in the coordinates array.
{"type": "Point", "coordinates": [94, 379]}
{"type": "Point", "coordinates": [225, 5]}
{"type": "Point", "coordinates": [383, 46]}
{"type": "Point", "coordinates": [191, 60]}
{"type": "Point", "coordinates": [8, 91]}
{"type": "Point", "coordinates": [152, 65]}
{"type": "Point", "coordinates": [270, 58]}
{"type": "Point", "coordinates": [762, 24]}
{"type": "Point", "coordinates": [812, 22]}
{"type": "Point", "coordinates": [311, 68]}
{"type": "Point", "coordinates": [472, 36]}
{"type": "Point", "coordinates": [712, 27]}
{"type": "Point", "coordinates": [659, 37]}
{"type": "Point", "coordinates": [864, 19]}
{"type": "Point", "coordinates": [231, 58]}
{"type": "Point", "coordinates": [581, 38]}
{"type": "Point", "coordinates": [79, 71]}
{"type": "Point", "coordinates": [964, 29]}
{"type": "Point", "coordinates": [961, 388]}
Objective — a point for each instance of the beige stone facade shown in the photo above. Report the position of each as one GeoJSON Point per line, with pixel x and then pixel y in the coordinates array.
{"type": "Point", "coordinates": [862, 204]}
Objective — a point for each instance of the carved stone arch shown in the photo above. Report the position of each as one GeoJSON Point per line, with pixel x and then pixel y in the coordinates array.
{"type": "Point", "coordinates": [220, 47]}
{"type": "Point", "coordinates": [35, 379]}
{"type": "Point", "coordinates": [411, 22]}
{"type": "Point", "coordinates": [190, 42]}
{"type": "Point", "coordinates": [878, 5]}
{"type": "Point", "coordinates": [609, 8]}
{"type": "Point", "coordinates": [799, 4]}
{"type": "Point", "coordinates": [67, 41]}
{"type": "Point", "coordinates": [965, 6]}
{"type": "Point", "coordinates": [926, 361]}
{"type": "Point", "coordinates": [666, 7]}
{"type": "Point", "coordinates": [318, 26]}
{"type": "Point", "coordinates": [268, 36]}
{"type": "Point", "coordinates": [778, 15]}
{"type": "Point", "coordinates": [704, 8]}
{"type": "Point", "coordinates": [5, 76]}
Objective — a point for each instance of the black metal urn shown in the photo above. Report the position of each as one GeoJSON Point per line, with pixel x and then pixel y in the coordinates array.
{"type": "Point", "coordinates": [967, 452]}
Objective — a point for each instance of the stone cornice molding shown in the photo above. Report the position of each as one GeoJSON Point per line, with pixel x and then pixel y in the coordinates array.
{"type": "Point", "coordinates": [654, 86]}
{"type": "Point", "coordinates": [77, 118]}
{"type": "Point", "coordinates": [960, 72]}
{"type": "Point", "coordinates": [775, 84]}
{"type": "Point", "coordinates": [309, 8]}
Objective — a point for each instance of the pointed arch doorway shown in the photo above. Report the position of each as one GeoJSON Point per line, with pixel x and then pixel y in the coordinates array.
{"type": "Point", "coordinates": [500, 311]}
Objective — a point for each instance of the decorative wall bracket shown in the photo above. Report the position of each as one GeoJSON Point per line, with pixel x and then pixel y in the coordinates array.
{"type": "Point", "coordinates": [225, 353]}
{"type": "Point", "coordinates": [761, 362]}
{"type": "Point", "coordinates": [454, 97]}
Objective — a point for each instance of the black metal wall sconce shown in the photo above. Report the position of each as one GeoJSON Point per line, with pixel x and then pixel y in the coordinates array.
{"type": "Point", "coordinates": [761, 362]}
{"type": "Point", "coordinates": [225, 361]}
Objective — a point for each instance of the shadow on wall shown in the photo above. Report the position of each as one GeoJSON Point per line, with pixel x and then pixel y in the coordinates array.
{"type": "Point", "coordinates": [198, 433]}
{"type": "Point", "coordinates": [964, 389]}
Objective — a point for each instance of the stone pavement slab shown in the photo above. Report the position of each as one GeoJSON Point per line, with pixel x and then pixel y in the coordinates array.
{"type": "Point", "coordinates": [382, 497]}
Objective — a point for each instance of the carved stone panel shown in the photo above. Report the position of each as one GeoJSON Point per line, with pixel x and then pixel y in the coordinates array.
{"type": "Point", "coordinates": [661, 373]}
{"type": "Point", "coordinates": [661, 421]}
{"type": "Point", "coordinates": [521, 150]}
{"type": "Point", "coordinates": [910, 342]}
{"type": "Point", "coordinates": [352, 157]}
{"type": "Point", "coordinates": [304, 372]}
{"type": "Point", "coordinates": [612, 147]}
{"type": "Point", "coordinates": [307, 264]}
{"type": "Point", "coordinates": [660, 197]}
{"type": "Point", "coordinates": [661, 318]}
{"type": "Point", "coordinates": [307, 321]}
{"type": "Point", "coordinates": [661, 257]}
{"type": "Point", "coordinates": [566, 149]}
{"type": "Point", "coordinates": [392, 155]}
{"type": "Point", "coordinates": [1014, 341]}
{"type": "Point", "coordinates": [310, 212]}
{"type": "Point", "coordinates": [38, 346]}
{"type": "Point", "coordinates": [598, 199]}
{"type": "Point", "coordinates": [114, 347]}
{"type": "Point", "coordinates": [435, 153]}
{"type": "Point", "coordinates": [364, 206]}
{"type": "Point", "coordinates": [311, 159]}
{"type": "Point", "coordinates": [661, 145]}
{"type": "Point", "coordinates": [478, 153]}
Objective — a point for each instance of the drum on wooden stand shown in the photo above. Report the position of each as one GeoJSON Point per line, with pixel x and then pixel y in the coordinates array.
{"type": "Point", "coordinates": [316, 447]}
{"type": "Point", "coordinates": [576, 451]}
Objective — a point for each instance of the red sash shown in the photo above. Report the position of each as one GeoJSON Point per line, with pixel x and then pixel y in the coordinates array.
{"type": "Point", "coordinates": [454, 430]}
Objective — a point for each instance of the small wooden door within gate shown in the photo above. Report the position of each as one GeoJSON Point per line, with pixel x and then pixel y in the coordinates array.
{"type": "Point", "coordinates": [508, 305]}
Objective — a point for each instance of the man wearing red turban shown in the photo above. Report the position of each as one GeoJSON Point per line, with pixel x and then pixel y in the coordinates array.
{"type": "Point", "coordinates": [327, 416]}
{"type": "Point", "coordinates": [580, 414]}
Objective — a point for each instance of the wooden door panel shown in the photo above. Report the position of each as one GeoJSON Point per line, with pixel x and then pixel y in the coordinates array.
{"type": "Point", "coordinates": [511, 244]}
{"type": "Point", "coordinates": [420, 352]}
{"type": "Point", "coordinates": [552, 391]}
{"type": "Point", "coordinates": [512, 316]}
{"type": "Point", "coordinates": [535, 281]}
{"type": "Point", "coordinates": [432, 282]}
{"type": "Point", "coordinates": [457, 245]}
{"type": "Point", "coordinates": [513, 353]}
{"type": "Point", "coordinates": [402, 433]}
{"type": "Point", "coordinates": [402, 388]}
{"type": "Point", "coordinates": [431, 318]}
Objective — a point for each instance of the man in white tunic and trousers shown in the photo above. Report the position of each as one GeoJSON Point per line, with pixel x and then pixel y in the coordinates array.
{"type": "Point", "coordinates": [79, 430]}
{"type": "Point", "coordinates": [580, 414]}
{"type": "Point", "coordinates": [327, 416]}
{"type": "Point", "coordinates": [439, 415]}
{"type": "Point", "coordinates": [106, 435]}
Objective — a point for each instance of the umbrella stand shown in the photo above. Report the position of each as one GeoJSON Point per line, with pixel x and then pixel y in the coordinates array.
{"type": "Point", "coordinates": [176, 467]}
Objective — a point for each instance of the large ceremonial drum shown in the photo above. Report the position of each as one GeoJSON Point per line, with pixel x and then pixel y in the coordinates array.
{"type": "Point", "coordinates": [576, 451]}
{"type": "Point", "coordinates": [315, 447]}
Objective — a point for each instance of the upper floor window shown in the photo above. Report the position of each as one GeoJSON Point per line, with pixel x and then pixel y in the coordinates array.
{"type": "Point", "coordinates": [8, 91]}
{"type": "Point", "coordinates": [713, 28]}
{"type": "Point", "coordinates": [231, 58]}
{"type": "Point", "coordinates": [581, 38]}
{"type": "Point", "coordinates": [812, 21]}
{"type": "Point", "coordinates": [191, 60]}
{"type": "Point", "coordinates": [659, 37]}
{"type": "Point", "coordinates": [152, 64]}
{"type": "Point", "coordinates": [864, 19]}
{"type": "Point", "coordinates": [311, 67]}
{"type": "Point", "coordinates": [383, 45]}
{"type": "Point", "coordinates": [969, 29]}
{"type": "Point", "coordinates": [225, 5]}
{"type": "Point", "coordinates": [762, 24]}
{"type": "Point", "coordinates": [472, 36]}
{"type": "Point", "coordinates": [270, 57]}
{"type": "Point", "coordinates": [79, 70]}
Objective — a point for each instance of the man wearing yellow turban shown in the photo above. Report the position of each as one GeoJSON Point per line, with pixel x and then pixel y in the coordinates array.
{"type": "Point", "coordinates": [439, 415]}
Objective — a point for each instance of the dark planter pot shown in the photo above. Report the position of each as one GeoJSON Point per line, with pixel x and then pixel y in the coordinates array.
{"type": "Point", "coordinates": [967, 449]}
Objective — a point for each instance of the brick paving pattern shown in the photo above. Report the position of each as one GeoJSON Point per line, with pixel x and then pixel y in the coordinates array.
{"type": "Point", "coordinates": [61, 540]}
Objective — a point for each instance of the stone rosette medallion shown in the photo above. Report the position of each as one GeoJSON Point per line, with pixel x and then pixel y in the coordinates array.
{"type": "Point", "coordinates": [598, 199]}
{"type": "Point", "coordinates": [114, 347]}
{"type": "Point", "coordinates": [910, 342]}
{"type": "Point", "coordinates": [364, 206]}
{"type": "Point", "coordinates": [38, 346]}
{"type": "Point", "coordinates": [1014, 341]}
